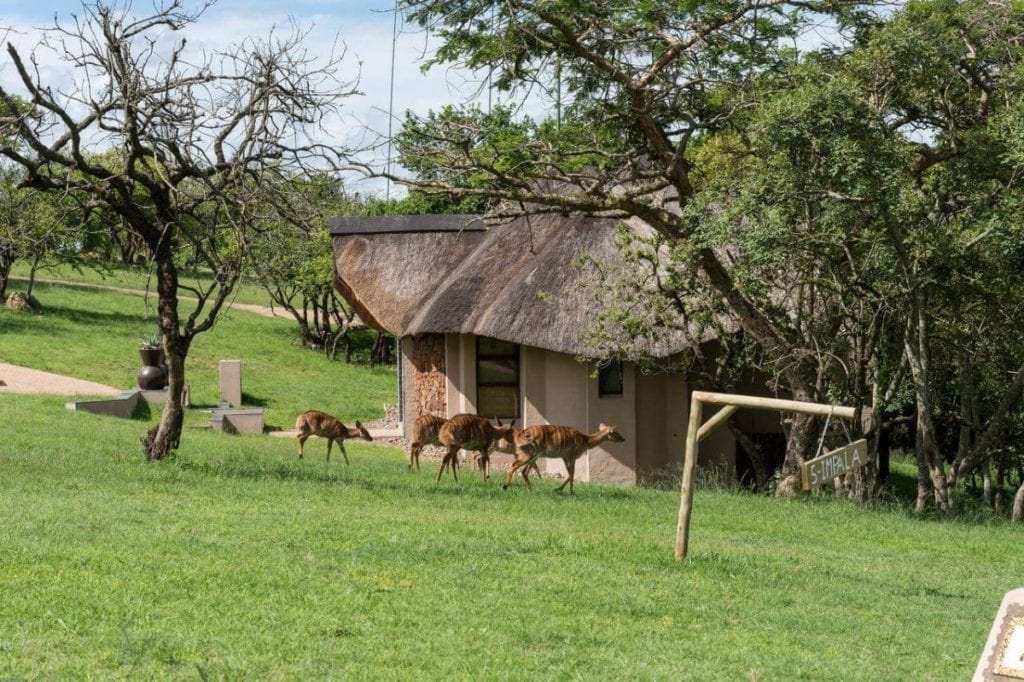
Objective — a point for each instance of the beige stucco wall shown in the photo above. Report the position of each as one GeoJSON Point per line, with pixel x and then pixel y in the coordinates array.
{"type": "Point", "coordinates": [563, 402]}
{"type": "Point", "coordinates": [613, 463]}
{"type": "Point", "coordinates": [662, 403]}
{"type": "Point", "coordinates": [409, 408]}
{"type": "Point", "coordinates": [651, 413]}
{"type": "Point", "coordinates": [460, 359]}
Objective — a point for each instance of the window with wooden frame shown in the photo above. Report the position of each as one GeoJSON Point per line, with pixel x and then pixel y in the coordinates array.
{"type": "Point", "coordinates": [497, 378]}
{"type": "Point", "coordinates": [609, 378]}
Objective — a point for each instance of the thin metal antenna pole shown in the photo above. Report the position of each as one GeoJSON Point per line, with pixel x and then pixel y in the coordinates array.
{"type": "Point", "coordinates": [490, 70]}
{"type": "Point", "coordinates": [391, 99]}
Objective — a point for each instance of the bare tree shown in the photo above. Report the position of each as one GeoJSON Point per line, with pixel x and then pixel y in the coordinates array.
{"type": "Point", "coordinates": [193, 144]}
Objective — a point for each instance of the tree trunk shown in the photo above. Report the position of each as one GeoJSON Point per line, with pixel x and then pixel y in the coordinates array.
{"type": "Point", "coordinates": [996, 425]}
{"type": "Point", "coordinates": [380, 353]}
{"type": "Point", "coordinates": [997, 500]}
{"type": "Point", "coordinates": [929, 458]}
{"type": "Point", "coordinates": [777, 343]}
{"type": "Point", "coordinates": [884, 448]}
{"type": "Point", "coordinates": [32, 274]}
{"type": "Point", "coordinates": [923, 485]}
{"type": "Point", "coordinates": [931, 477]}
{"type": "Point", "coordinates": [753, 454]}
{"type": "Point", "coordinates": [986, 482]}
{"type": "Point", "coordinates": [1018, 504]}
{"type": "Point", "coordinates": [5, 274]}
{"type": "Point", "coordinates": [166, 436]}
{"type": "Point", "coordinates": [798, 446]}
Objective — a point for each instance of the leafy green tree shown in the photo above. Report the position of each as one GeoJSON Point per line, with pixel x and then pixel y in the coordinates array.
{"type": "Point", "coordinates": [646, 83]}
{"type": "Point", "coordinates": [32, 227]}
{"type": "Point", "coordinates": [294, 262]}
{"type": "Point", "coordinates": [849, 207]}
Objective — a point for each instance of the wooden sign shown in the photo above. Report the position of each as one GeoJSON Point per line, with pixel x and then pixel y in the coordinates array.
{"type": "Point", "coordinates": [820, 470]}
{"type": "Point", "coordinates": [1003, 656]}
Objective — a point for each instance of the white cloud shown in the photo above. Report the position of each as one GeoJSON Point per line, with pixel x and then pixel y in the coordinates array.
{"type": "Point", "coordinates": [367, 38]}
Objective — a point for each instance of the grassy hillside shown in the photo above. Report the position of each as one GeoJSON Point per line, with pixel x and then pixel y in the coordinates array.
{"type": "Point", "coordinates": [128, 278]}
{"type": "Point", "coordinates": [238, 561]}
{"type": "Point", "coordinates": [95, 335]}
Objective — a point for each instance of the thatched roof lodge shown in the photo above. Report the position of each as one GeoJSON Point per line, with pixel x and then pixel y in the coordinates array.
{"type": "Point", "coordinates": [492, 320]}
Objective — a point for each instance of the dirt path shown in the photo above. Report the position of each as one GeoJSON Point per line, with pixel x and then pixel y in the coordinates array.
{"type": "Point", "coordinates": [264, 310]}
{"type": "Point", "coordinates": [14, 379]}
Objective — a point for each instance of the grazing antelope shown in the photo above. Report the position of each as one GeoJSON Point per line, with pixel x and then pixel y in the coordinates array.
{"type": "Point", "coordinates": [551, 441]}
{"type": "Point", "coordinates": [470, 432]}
{"type": "Point", "coordinates": [505, 445]}
{"type": "Point", "coordinates": [315, 423]}
{"type": "Point", "coordinates": [424, 432]}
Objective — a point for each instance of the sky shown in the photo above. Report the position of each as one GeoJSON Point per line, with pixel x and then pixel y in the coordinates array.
{"type": "Point", "coordinates": [364, 27]}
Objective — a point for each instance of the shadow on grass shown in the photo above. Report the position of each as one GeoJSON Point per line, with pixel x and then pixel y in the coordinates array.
{"type": "Point", "coordinates": [351, 476]}
{"type": "Point", "coordinates": [91, 318]}
{"type": "Point", "coordinates": [13, 321]}
{"type": "Point", "coordinates": [249, 400]}
{"type": "Point", "coordinates": [285, 472]}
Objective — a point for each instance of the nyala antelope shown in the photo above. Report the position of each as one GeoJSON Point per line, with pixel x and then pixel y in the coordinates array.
{"type": "Point", "coordinates": [506, 445]}
{"type": "Point", "coordinates": [315, 423]}
{"type": "Point", "coordinates": [425, 431]}
{"type": "Point", "coordinates": [470, 432]}
{"type": "Point", "coordinates": [562, 442]}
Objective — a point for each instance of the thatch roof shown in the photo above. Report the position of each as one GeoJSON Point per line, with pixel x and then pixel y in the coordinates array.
{"type": "Point", "coordinates": [517, 281]}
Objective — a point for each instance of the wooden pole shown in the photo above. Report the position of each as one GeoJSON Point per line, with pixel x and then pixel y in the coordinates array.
{"type": "Point", "coordinates": [696, 433]}
{"type": "Point", "coordinates": [774, 404]}
{"type": "Point", "coordinates": [689, 465]}
{"type": "Point", "coordinates": [716, 419]}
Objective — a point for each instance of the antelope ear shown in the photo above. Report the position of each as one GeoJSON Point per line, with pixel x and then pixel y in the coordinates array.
{"type": "Point", "coordinates": [358, 424]}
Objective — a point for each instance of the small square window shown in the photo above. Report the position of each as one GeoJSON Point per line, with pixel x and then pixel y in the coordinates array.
{"type": "Point", "coordinates": [497, 378]}
{"type": "Point", "coordinates": [609, 378]}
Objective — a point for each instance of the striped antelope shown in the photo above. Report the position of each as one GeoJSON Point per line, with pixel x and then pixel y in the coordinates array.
{"type": "Point", "coordinates": [424, 432]}
{"type": "Point", "coordinates": [470, 432]}
{"type": "Point", "coordinates": [426, 429]}
{"type": "Point", "coordinates": [551, 441]}
{"type": "Point", "coordinates": [314, 423]}
{"type": "Point", "coordinates": [506, 445]}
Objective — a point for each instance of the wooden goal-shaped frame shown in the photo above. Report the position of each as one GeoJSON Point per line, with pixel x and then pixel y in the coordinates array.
{"type": "Point", "coordinates": [696, 432]}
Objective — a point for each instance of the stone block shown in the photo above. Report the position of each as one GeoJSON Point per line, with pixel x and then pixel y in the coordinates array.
{"type": "Point", "coordinates": [237, 419]}
{"type": "Point", "coordinates": [1003, 655]}
{"type": "Point", "coordinates": [119, 406]}
{"type": "Point", "coordinates": [231, 382]}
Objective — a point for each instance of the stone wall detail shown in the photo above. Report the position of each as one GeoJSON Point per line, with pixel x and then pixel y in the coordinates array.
{"type": "Point", "coordinates": [429, 384]}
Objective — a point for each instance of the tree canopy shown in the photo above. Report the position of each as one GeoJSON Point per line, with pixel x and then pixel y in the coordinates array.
{"type": "Point", "coordinates": [849, 205]}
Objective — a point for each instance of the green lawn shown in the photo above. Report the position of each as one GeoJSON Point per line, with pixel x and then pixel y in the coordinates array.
{"type": "Point", "coordinates": [95, 335]}
{"type": "Point", "coordinates": [129, 278]}
{"type": "Point", "coordinates": [235, 560]}
{"type": "Point", "coordinates": [238, 561]}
